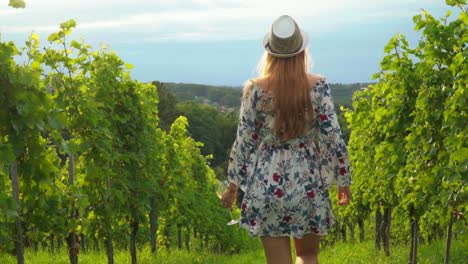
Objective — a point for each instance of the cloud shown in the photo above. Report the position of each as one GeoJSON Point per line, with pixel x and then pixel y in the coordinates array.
{"type": "Point", "coordinates": [10, 12]}
{"type": "Point", "coordinates": [198, 19]}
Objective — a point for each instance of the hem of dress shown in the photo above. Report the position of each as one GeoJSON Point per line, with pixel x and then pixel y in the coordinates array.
{"type": "Point", "coordinates": [280, 234]}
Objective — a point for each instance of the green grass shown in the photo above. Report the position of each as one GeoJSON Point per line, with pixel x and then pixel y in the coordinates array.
{"type": "Point", "coordinates": [365, 253]}
{"type": "Point", "coordinates": [340, 253]}
{"type": "Point", "coordinates": [163, 257]}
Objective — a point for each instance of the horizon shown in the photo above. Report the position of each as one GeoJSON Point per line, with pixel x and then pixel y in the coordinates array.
{"type": "Point", "coordinates": [240, 86]}
{"type": "Point", "coordinates": [218, 43]}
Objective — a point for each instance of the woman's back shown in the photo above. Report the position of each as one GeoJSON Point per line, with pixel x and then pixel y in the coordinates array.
{"type": "Point", "coordinates": [265, 109]}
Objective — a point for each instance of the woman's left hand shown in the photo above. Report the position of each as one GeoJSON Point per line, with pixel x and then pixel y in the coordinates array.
{"type": "Point", "coordinates": [344, 195]}
{"type": "Point", "coordinates": [229, 196]}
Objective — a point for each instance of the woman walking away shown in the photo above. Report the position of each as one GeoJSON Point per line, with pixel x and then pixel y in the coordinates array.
{"type": "Point", "coordinates": [287, 151]}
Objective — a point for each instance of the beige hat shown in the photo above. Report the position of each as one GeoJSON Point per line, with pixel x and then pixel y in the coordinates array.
{"type": "Point", "coordinates": [285, 38]}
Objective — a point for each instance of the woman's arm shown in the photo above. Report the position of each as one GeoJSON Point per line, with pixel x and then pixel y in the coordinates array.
{"type": "Point", "coordinates": [242, 156]}
{"type": "Point", "coordinates": [331, 139]}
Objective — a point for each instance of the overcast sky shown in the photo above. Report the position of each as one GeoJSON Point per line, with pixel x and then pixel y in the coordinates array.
{"type": "Point", "coordinates": [219, 41]}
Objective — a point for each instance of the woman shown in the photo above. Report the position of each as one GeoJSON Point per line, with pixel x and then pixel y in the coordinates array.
{"type": "Point", "coordinates": [288, 138]}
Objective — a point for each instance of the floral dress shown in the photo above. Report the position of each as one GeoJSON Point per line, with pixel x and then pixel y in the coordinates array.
{"type": "Point", "coordinates": [286, 183]}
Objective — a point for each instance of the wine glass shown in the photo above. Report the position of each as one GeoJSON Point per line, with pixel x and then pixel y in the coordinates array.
{"type": "Point", "coordinates": [221, 188]}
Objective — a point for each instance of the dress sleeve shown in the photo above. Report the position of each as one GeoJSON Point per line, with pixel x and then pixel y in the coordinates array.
{"type": "Point", "coordinates": [242, 158]}
{"type": "Point", "coordinates": [333, 149]}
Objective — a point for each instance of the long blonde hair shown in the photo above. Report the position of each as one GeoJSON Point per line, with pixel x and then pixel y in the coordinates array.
{"type": "Point", "coordinates": [286, 79]}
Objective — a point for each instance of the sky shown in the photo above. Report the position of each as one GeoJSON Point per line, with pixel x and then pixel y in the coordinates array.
{"type": "Point", "coordinates": [219, 42]}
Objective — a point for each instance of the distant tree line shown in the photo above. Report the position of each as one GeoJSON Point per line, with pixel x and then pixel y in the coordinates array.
{"type": "Point", "coordinates": [229, 96]}
{"type": "Point", "coordinates": [216, 95]}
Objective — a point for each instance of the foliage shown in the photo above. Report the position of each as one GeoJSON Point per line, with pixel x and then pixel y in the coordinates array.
{"type": "Point", "coordinates": [167, 111]}
{"type": "Point", "coordinates": [91, 155]}
{"type": "Point", "coordinates": [17, 3]}
{"type": "Point", "coordinates": [409, 133]}
{"type": "Point", "coordinates": [214, 128]}
{"type": "Point", "coordinates": [24, 116]}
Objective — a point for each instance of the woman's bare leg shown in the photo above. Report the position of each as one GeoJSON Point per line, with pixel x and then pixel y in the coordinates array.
{"type": "Point", "coordinates": [307, 249]}
{"type": "Point", "coordinates": [277, 250]}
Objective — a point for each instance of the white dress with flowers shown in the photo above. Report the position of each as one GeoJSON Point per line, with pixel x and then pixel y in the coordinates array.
{"type": "Point", "coordinates": [285, 184]}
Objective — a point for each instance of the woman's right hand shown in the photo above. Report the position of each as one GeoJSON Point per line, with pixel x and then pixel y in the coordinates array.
{"type": "Point", "coordinates": [229, 196]}
{"type": "Point", "coordinates": [344, 195]}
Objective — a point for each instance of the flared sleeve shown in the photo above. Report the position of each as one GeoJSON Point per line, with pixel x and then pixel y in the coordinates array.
{"type": "Point", "coordinates": [334, 158]}
{"type": "Point", "coordinates": [242, 158]}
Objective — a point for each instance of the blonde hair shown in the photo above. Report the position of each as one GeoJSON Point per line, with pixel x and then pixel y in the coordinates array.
{"type": "Point", "coordinates": [286, 79]}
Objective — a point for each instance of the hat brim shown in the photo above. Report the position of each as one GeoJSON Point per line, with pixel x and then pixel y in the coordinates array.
{"type": "Point", "coordinates": [305, 42]}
